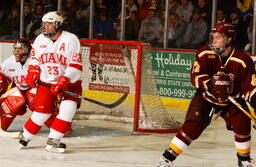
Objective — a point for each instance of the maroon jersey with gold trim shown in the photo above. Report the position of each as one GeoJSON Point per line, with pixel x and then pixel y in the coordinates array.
{"type": "Point", "coordinates": [238, 65]}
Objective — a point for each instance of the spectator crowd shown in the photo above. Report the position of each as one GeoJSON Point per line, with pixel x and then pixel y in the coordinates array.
{"type": "Point", "coordinates": [189, 21]}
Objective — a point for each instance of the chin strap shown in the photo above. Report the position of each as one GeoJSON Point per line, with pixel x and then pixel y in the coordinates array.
{"type": "Point", "coordinates": [49, 35]}
{"type": "Point", "coordinates": [218, 50]}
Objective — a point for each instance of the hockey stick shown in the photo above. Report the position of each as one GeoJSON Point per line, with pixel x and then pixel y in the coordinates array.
{"type": "Point", "coordinates": [251, 109]}
{"type": "Point", "coordinates": [112, 105]}
{"type": "Point", "coordinates": [243, 110]}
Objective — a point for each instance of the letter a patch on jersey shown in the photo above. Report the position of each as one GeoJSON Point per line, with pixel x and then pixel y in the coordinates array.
{"type": "Point", "coordinates": [62, 47]}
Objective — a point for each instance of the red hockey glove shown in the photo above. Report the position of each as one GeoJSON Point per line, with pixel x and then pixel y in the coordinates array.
{"type": "Point", "coordinates": [32, 76]}
{"type": "Point", "coordinates": [62, 83]}
{"type": "Point", "coordinates": [221, 87]}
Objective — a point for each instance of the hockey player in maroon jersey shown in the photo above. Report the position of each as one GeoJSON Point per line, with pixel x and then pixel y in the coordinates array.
{"type": "Point", "coordinates": [219, 71]}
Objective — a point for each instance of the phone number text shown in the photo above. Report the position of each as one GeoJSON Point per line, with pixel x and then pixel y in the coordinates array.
{"type": "Point", "coordinates": [179, 93]}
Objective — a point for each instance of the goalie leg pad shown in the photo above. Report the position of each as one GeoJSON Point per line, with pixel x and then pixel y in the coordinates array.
{"type": "Point", "coordinates": [6, 122]}
{"type": "Point", "coordinates": [13, 103]}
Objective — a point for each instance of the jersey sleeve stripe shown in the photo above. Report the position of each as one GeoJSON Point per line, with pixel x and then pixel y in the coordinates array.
{"type": "Point", "coordinates": [197, 78]}
{"type": "Point", "coordinates": [252, 93]}
{"type": "Point", "coordinates": [76, 66]}
{"type": "Point", "coordinates": [207, 52]}
{"type": "Point", "coordinates": [238, 61]}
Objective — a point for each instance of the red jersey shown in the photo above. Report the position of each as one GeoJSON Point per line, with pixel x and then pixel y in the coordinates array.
{"type": "Point", "coordinates": [238, 65]}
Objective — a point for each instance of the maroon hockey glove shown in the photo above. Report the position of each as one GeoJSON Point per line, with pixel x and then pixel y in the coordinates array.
{"type": "Point", "coordinates": [221, 87]}
{"type": "Point", "coordinates": [32, 76]}
{"type": "Point", "coordinates": [62, 83]}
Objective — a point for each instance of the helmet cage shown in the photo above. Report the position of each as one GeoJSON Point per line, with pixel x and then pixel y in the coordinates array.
{"type": "Point", "coordinates": [217, 49]}
{"type": "Point", "coordinates": [25, 46]}
{"type": "Point", "coordinates": [51, 34]}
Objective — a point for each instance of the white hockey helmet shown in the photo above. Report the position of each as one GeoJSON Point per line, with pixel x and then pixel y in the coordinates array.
{"type": "Point", "coordinates": [55, 18]}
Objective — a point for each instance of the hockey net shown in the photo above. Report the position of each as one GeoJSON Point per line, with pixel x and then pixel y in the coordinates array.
{"type": "Point", "coordinates": [113, 68]}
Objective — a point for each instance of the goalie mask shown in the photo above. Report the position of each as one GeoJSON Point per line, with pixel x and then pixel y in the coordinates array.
{"type": "Point", "coordinates": [21, 50]}
{"type": "Point", "coordinates": [221, 37]}
{"type": "Point", "coordinates": [53, 18]}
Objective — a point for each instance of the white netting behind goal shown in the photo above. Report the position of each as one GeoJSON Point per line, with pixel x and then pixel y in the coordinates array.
{"type": "Point", "coordinates": [113, 68]}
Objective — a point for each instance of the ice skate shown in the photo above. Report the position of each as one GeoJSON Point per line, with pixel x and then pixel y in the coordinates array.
{"type": "Point", "coordinates": [23, 142]}
{"type": "Point", "coordinates": [248, 163]}
{"type": "Point", "coordinates": [55, 146]}
{"type": "Point", "coordinates": [164, 162]}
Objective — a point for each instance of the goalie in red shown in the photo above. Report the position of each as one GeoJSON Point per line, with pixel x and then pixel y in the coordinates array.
{"type": "Point", "coordinates": [55, 60]}
{"type": "Point", "coordinates": [219, 71]}
{"type": "Point", "coordinates": [14, 70]}
{"type": "Point", "coordinates": [16, 100]}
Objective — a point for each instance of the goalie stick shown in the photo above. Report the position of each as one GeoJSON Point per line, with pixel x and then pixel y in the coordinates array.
{"type": "Point", "coordinates": [12, 135]}
{"type": "Point", "coordinates": [112, 105]}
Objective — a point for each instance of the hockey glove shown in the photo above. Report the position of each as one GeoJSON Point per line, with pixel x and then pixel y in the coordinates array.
{"type": "Point", "coordinates": [62, 83]}
{"type": "Point", "coordinates": [221, 87]}
{"type": "Point", "coordinates": [32, 76]}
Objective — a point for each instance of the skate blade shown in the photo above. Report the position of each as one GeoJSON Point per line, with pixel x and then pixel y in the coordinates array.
{"type": "Point", "coordinates": [22, 147]}
{"type": "Point", "coordinates": [52, 149]}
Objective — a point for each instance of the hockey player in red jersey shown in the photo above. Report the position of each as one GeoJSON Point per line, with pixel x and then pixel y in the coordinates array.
{"type": "Point", "coordinates": [56, 60]}
{"type": "Point", "coordinates": [219, 71]}
{"type": "Point", "coordinates": [13, 70]}
{"type": "Point", "coordinates": [15, 101]}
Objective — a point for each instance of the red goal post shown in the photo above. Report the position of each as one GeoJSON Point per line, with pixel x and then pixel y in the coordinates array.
{"type": "Point", "coordinates": [113, 68]}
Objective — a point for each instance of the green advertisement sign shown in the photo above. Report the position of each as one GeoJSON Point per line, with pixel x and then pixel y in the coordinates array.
{"type": "Point", "coordinates": [172, 73]}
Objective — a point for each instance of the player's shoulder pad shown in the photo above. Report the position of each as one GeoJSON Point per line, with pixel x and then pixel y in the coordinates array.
{"type": "Point", "coordinates": [9, 60]}
{"type": "Point", "coordinates": [205, 51]}
{"type": "Point", "coordinates": [241, 54]}
{"type": "Point", "coordinates": [241, 57]}
{"type": "Point", "coordinates": [39, 39]}
{"type": "Point", "coordinates": [70, 35]}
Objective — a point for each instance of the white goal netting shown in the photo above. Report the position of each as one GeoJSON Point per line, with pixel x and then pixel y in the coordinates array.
{"type": "Point", "coordinates": [113, 68]}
